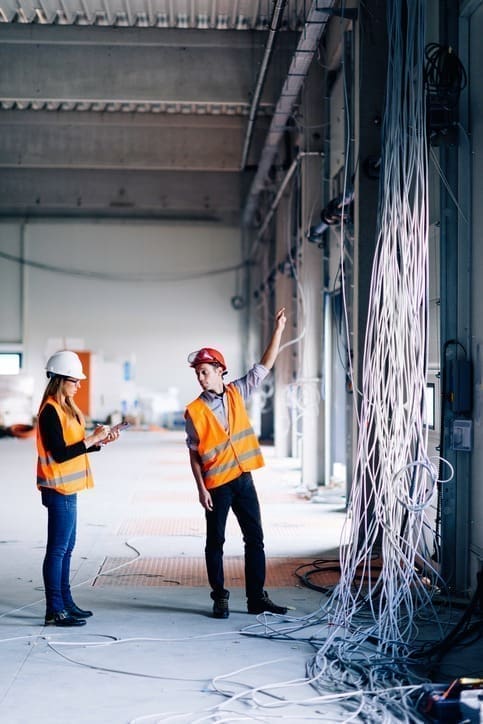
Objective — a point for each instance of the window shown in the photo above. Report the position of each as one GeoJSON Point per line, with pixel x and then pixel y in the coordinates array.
{"type": "Point", "coordinates": [10, 363]}
{"type": "Point", "coordinates": [429, 416]}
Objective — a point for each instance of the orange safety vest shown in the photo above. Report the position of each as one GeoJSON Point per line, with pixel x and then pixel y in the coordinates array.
{"type": "Point", "coordinates": [225, 454]}
{"type": "Point", "coordinates": [72, 475]}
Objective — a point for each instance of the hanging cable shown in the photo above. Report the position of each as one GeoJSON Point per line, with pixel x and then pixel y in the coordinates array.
{"type": "Point", "coordinates": [392, 478]}
{"type": "Point", "coordinates": [121, 277]}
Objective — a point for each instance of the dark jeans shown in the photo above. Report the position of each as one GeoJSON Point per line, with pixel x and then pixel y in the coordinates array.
{"type": "Point", "coordinates": [61, 530]}
{"type": "Point", "coordinates": [239, 495]}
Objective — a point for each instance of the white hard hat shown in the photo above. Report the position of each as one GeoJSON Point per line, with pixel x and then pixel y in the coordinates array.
{"type": "Point", "coordinates": [65, 364]}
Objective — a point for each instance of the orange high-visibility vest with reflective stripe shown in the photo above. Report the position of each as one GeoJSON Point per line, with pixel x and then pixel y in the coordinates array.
{"type": "Point", "coordinates": [72, 475]}
{"type": "Point", "coordinates": [225, 454]}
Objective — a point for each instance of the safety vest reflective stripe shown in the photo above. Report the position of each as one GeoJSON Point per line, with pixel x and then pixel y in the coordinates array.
{"type": "Point", "coordinates": [221, 448]}
{"type": "Point", "coordinates": [72, 475]}
{"type": "Point", "coordinates": [225, 454]}
{"type": "Point", "coordinates": [65, 479]}
{"type": "Point", "coordinates": [229, 466]}
{"type": "Point", "coordinates": [49, 460]}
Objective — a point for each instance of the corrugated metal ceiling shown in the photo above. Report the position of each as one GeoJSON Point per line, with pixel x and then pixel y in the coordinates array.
{"type": "Point", "coordinates": [183, 14]}
{"type": "Point", "coordinates": [102, 100]}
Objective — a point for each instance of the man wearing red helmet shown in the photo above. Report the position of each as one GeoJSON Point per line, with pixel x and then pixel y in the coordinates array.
{"type": "Point", "coordinates": [223, 451]}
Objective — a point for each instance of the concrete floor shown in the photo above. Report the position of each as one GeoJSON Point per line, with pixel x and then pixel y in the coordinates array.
{"type": "Point", "coordinates": [152, 652]}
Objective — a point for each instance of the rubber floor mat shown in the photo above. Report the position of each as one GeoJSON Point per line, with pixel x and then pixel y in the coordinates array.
{"type": "Point", "coordinates": [186, 571]}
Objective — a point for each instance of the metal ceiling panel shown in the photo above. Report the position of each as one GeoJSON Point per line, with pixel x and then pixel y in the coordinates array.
{"type": "Point", "coordinates": [137, 107]}
{"type": "Point", "coordinates": [183, 14]}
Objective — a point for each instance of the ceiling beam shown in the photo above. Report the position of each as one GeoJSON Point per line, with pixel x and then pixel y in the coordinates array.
{"type": "Point", "coordinates": [147, 194]}
{"type": "Point", "coordinates": [43, 139]}
{"type": "Point", "coordinates": [317, 19]}
{"type": "Point", "coordinates": [125, 64]}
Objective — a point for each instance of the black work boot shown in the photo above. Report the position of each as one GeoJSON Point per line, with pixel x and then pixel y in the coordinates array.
{"type": "Point", "coordinates": [220, 605]}
{"type": "Point", "coordinates": [63, 618]}
{"type": "Point", "coordinates": [263, 604]}
{"type": "Point", "coordinates": [77, 612]}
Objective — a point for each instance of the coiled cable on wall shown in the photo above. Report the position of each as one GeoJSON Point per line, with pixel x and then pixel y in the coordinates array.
{"type": "Point", "coordinates": [444, 74]}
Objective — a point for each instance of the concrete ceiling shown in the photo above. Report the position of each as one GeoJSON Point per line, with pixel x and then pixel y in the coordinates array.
{"type": "Point", "coordinates": [138, 108]}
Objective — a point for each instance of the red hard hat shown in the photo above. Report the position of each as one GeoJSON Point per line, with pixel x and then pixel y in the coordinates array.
{"type": "Point", "coordinates": [206, 354]}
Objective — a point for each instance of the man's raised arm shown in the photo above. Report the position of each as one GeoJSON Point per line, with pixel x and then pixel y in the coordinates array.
{"type": "Point", "coordinates": [270, 354]}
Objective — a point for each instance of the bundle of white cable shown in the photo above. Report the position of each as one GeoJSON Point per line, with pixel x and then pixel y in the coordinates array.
{"type": "Point", "coordinates": [393, 478]}
{"type": "Point", "coordinates": [370, 622]}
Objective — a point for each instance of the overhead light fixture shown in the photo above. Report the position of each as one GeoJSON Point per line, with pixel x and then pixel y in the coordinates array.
{"type": "Point", "coordinates": [162, 20]}
{"type": "Point", "coordinates": [81, 19]}
{"type": "Point", "coordinates": [121, 21]}
{"type": "Point", "coordinates": [222, 22]}
{"type": "Point", "coordinates": [142, 20]}
{"type": "Point", "coordinates": [241, 23]}
{"type": "Point", "coordinates": [202, 21]}
{"type": "Point", "coordinates": [101, 18]}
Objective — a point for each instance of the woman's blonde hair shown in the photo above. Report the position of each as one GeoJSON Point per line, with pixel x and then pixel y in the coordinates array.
{"type": "Point", "coordinates": [54, 389]}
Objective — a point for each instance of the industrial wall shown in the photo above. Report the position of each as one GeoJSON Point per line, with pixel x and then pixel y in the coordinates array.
{"type": "Point", "coordinates": [137, 295]}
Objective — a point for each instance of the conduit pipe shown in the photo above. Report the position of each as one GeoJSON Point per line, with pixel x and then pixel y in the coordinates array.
{"type": "Point", "coordinates": [315, 23]}
{"type": "Point", "coordinates": [274, 27]}
{"type": "Point", "coordinates": [278, 196]}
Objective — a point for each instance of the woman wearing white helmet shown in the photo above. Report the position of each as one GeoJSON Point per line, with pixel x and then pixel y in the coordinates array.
{"type": "Point", "coordinates": [62, 471]}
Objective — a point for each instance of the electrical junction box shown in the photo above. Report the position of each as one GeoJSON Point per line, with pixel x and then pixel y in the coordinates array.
{"type": "Point", "coordinates": [461, 435]}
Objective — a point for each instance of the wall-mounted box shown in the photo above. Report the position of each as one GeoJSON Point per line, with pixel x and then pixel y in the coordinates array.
{"type": "Point", "coordinates": [461, 435]}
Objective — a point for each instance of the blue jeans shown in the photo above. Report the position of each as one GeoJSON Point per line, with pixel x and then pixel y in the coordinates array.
{"type": "Point", "coordinates": [61, 530]}
{"type": "Point", "coordinates": [239, 495]}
